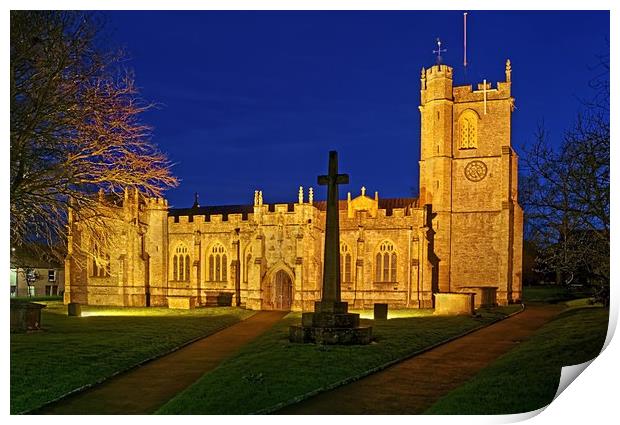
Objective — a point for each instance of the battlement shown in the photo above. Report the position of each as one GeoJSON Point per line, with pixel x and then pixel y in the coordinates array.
{"type": "Point", "coordinates": [436, 83]}
{"type": "Point", "coordinates": [161, 203]}
{"type": "Point", "coordinates": [437, 71]}
{"type": "Point", "coordinates": [501, 90]}
{"type": "Point", "coordinates": [300, 211]}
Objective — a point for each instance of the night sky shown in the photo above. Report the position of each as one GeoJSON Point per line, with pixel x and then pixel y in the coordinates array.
{"type": "Point", "coordinates": [255, 100]}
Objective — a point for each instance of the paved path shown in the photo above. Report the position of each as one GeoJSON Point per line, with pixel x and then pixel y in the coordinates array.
{"type": "Point", "coordinates": [412, 386]}
{"type": "Point", "coordinates": [146, 388]}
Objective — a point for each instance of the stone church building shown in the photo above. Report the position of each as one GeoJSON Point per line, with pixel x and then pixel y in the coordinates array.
{"type": "Point", "coordinates": [464, 230]}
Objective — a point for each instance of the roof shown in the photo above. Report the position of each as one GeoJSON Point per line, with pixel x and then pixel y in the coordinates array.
{"type": "Point", "coordinates": [387, 203]}
{"type": "Point", "coordinates": [211, 210]}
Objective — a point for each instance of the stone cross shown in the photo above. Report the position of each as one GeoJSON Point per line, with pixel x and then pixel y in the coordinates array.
{"type": "Point", "coordinates": [331, 257]}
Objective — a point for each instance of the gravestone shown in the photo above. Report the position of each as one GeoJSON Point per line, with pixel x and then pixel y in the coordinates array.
{"type": "Point", "coordinates": [331, 323]}
{"type": "Point", "coordinates": [74, 309]}
{"type": "Point", "coordinates": [25, 316]}
{"type": "Point", "coordinates": [380, 311]}
{"type": "Point", "coordinates": [451, 304]}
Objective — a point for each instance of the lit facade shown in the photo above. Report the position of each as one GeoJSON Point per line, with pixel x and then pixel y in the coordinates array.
{"type": "Point", "coordinates": [464, 230]}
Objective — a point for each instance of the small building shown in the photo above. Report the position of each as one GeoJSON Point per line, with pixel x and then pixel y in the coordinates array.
{"type": "Point", "coordinates": [34, 276]}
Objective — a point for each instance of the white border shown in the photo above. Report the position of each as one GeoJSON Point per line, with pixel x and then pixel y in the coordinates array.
{"type": "Point", "coordinates": [591, 399]}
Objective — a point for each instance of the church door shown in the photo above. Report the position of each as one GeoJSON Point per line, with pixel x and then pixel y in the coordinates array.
{"type": "Point", "coordinates": [283, 291]}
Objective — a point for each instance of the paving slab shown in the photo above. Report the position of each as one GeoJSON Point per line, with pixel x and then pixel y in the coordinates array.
{"type": "Point", "coordinates": [146, 388]}
{"type": "Point", "coordinates": [413, 385]}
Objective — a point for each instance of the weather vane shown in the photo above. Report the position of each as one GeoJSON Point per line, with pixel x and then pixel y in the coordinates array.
{"type": "Point", "coordinates": [439, 51]}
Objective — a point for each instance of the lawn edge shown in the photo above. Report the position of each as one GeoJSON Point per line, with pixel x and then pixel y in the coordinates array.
{"type": "Point", "coordinates": [542, 408]}
{"type": "Point", "coordinates": [101, 381]}
{"type": "Point", "coordinates": [297, 399]}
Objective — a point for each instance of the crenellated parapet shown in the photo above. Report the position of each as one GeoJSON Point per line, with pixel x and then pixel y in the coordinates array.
{"type": "Point", "coordinates": [499, 90]}
{"type": "Point", "coordinates": [437, 71]}
{"type": "Point", "coordinates": [436, 84]}
{"type": "Point", "coordinates": [156, 203]}
{"type": "Point", "coordinates": [301, 212]}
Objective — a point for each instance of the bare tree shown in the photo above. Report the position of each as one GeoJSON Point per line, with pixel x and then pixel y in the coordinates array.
{"type": "Point", "coordinates": [566, 196]}
{"type": "Point", "coordinates": [75, 127]}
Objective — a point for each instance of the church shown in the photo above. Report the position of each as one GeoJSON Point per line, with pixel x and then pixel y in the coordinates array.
{"type": "Point", "coordinates": [463, 233]}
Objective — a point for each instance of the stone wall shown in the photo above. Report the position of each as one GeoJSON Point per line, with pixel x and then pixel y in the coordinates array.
{"type": "Point", "coordinates": [465, 229]}
{"type": "Point", "coordinates": [471, 182]}
{"type": "Point", "coordinates": [289, 238]}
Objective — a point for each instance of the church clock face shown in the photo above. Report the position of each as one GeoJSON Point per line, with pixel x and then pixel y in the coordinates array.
{"type": "Point", "coordinates": [475, 171]}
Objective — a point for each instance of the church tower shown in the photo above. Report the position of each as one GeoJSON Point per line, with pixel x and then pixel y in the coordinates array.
{"type": "Point", "coordinates": [468, 174]}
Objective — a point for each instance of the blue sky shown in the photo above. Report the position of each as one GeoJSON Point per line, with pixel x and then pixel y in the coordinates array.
{"type": "Point", "coordinates": [255, 100]}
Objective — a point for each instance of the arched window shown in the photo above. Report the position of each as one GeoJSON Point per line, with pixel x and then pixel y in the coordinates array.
{"type": "Point", "coordinates": [468, 126]}
{"type": "Point", "coordinates": [248, 261]}
{"type": "Point", "coordinates": [107, 265]}
{"type": "Point", "coordinates": [345, 263]}
{"type": "Point", "coordinates": [101, 262]}
{"type": "Point", "coordinates": [217, 264]}
{"type": "Point", "coordinates": [386, 263]}
{"type": "Point", "coordinates": [186, 267]}
{"type": "Point", "coordinates": [224, 264]}
{"type": "Point", "coordinates": [175, 268]}
{"type": "Point", "coordinates": [211, 267]}
{"type": "Point", "coordinates": [180, 264]}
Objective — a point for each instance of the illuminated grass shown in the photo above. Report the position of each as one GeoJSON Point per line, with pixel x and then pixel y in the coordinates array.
{"type": "Point", "coordinates": [271, 370]}
{"type": "Point", "coordinates": [397, 313]}
{"type": "Point", "coordinates": [75, 351]}
{"type": "Point", "coordinates": [527, 377]}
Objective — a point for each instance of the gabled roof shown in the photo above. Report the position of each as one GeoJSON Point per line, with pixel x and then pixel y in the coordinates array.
{"type": "Point", "coordinates": [387, 204]}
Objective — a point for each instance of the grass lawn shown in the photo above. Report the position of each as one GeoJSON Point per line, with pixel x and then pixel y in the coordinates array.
{"type": "Point", "coordinates": [527, 377]}
{"type": "Point", "coordinates": [554, 293]}
{"type": "Point", "coordinates": [271, 370]}
{"type": "Point", "coordinates": [39, 299]}
{"type": "Point", "coordinates": [75, 351]}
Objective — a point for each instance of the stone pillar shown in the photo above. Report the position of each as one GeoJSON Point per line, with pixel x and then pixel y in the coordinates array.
{"type": "Point", "coordinates": [331, 323]}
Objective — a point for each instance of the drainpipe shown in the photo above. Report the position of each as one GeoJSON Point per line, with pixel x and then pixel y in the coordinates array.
{"type": "Point", "coordinates": [420, 268]}
{"type": "Point", "coordinates": [238, 270]}
{"type": "Point", "coordinates": [409, 267]}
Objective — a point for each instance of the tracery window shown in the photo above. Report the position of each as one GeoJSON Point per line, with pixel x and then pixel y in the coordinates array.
{"type": "Point", "coordinates": [468, 125]}
{"type": "Point", "coordinates": [181, 264]}
{"type": "Point", "coordinates": [101, 262]}
{"type": "Point", "coordinates": [218, 264]}
{"type": "Point", "coordinates": [386, 262]}
{"type": "Point", "coordinates": [248, 261]}
{"type": "Point", "coordinates": [345, 263]}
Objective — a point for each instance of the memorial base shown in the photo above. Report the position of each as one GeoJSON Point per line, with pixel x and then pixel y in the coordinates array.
{"type": "Point", "coordinates": [331, 324]}
{"type": "Point", "coordinates": [331, 336]}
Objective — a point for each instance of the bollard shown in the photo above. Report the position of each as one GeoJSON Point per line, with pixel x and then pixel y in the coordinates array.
{"type": "Point", "coordinates": [381, 312]}
{"type": "Point", "coordinates": [74, 309]}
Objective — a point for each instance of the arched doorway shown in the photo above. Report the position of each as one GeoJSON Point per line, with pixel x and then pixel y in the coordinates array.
{"type": "Point", "coordinates": [282, 291]}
